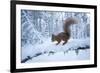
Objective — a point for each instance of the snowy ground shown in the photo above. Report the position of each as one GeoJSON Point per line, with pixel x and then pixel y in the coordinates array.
{"type": "Point", "coordinates": [48, 51]}
{"type": "Point", "coordinates": [60, 56]}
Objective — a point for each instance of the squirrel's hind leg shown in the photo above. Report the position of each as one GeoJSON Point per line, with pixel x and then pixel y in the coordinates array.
{"type": "Point", "coordinates": [65, 42]}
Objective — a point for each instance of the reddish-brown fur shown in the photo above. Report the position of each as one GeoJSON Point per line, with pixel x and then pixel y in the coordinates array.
{"type": "Point", "coordinates": [64, 36]}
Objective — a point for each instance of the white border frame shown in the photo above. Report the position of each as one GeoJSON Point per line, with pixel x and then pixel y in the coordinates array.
{"type": "Point", "coordinates": [51, 64]}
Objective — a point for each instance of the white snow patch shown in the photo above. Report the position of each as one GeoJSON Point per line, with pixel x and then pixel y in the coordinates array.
{"type": "Point", "coordinates": [47, 46]}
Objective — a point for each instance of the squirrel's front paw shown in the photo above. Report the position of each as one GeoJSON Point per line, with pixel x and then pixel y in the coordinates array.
{"type": "Point", "coordinates": [57, 43]}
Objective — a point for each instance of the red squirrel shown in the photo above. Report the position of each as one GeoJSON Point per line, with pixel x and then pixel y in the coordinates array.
{"type": "Point", "coordinates": [66, 34]}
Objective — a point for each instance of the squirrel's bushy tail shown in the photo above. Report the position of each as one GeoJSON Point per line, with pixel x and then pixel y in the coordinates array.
{"type": "Point", "coordinates": [68, 22]}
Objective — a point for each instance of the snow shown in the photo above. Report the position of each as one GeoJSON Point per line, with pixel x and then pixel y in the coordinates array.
{"type": "Point", "coordinates": [60, 56]}
{"type": "Point", "coordinates": [49, 51]}
{"type": "Point", "coordinates": [37, 28]}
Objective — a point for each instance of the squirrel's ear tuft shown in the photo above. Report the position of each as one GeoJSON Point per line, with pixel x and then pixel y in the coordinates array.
{"type": "Point", "coordinates": [52, 35]}
{"type": "Point", "coordinates": [52, 38]}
